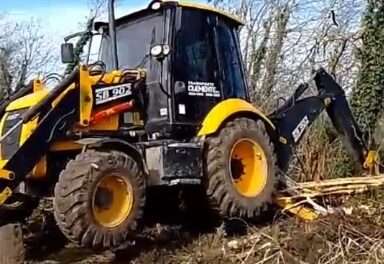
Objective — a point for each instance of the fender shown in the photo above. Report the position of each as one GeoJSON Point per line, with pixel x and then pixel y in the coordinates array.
{"type": "Point", "coordinates": [227, 109]}
{"type": "Point", "coordinates": [115, 144]}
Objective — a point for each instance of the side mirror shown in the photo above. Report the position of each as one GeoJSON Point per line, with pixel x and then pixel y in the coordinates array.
{"type": "Point", "coordinates": [67, 53]}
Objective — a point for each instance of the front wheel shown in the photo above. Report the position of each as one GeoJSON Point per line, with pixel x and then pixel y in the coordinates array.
{"type": "Point", "coordinates": [240, 169]}
{"type": "Point", "coordinates": [99, 199]}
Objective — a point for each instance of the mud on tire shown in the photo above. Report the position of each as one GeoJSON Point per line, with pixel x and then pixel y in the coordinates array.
{"type": "Point", "coordinates": [11, 244]}
{"type": "Point", "coordinates": [75, 193]}
{"type": "Point", "coordinates": [223, 197]}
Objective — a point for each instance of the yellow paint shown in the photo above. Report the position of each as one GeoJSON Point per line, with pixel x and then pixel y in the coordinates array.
{"type": "Point", "coordinates": [371, 160]}
{"type": "Point", "coordinates": [37, 85]}
{"type": "Point", "coordinates": [5, 194]}
{"type": "Point", "coordinates": [248, 167]}
{"type": "Point", "coordinates": [6, 174]}
{"type": "Point", "coordinates": [118, 193]}
{"type": "Point", "coordinates": [205, 7]}
{"type": "Point", "coordinates": [28, 100]}
{"type": "Point", "coordinates": [40, 170]}
{"type": "Point", "coordinates": [4, 117]}
{"type": "Point", "coordinates": [86, 97]}
{"type": "Point", "coordinates": [27, 130]}
{"type": "Point", "coordinates": [2, 163]}
{"type": "Point", "coordinates": [225, 109]}
{"type": "Point", "coordinates": [107, 124]}
{"type": "Point", "coordinates": [65, 145]}
{"type": "Point", "coordinates": [300, 210]}
{"type": "Point", "coordinates": [109, 78]}
{"type": "Point", "coordinates": [62, 95]}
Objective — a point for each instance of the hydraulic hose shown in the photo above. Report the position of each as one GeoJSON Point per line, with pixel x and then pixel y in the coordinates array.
{"type": "Point", "coordinates": [70, 79]}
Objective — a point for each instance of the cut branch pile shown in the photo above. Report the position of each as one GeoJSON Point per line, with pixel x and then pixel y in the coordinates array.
{"type": "Point", "coordinates": [298, 198]}
{"type": "Point", "coordinates": [334, 186]}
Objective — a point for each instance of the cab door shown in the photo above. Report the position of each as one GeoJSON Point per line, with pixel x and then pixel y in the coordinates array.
{"type": "Point", "coordinates": [196, 82]}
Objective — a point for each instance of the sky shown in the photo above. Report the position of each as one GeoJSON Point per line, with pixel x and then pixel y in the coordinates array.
{"type": "Point", "coordinates": [59, 18]}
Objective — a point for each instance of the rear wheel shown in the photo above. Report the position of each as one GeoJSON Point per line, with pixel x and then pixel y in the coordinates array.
{"type": "Point", "coordinates": [11, 244]}
{"type": "Point", "coordinates": [240, 169]}
{"type": "Point", "coordinates": [99, 199]}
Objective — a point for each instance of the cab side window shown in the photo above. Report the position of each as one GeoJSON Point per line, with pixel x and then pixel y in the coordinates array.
{"type": "Point", "coordinates": [230, 61]}
{"type": "Point", "coordinates": [195, 55]}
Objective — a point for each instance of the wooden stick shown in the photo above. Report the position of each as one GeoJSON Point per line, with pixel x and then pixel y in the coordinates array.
{"type": "Point", "coordinates": [341, 181]}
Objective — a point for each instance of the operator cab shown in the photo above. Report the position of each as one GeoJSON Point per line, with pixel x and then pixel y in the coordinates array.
{"type": "Point", "coordinates": [192, 57]}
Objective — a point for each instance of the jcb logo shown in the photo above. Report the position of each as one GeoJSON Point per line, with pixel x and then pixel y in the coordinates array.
{"type": "Point", "coordinates": [107, 94]}
{"type": "Point", "coordinates": [299, 130]}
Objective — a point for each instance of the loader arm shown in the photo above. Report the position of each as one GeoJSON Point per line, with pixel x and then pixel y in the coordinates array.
{"type": "Point", "coordinates": [296, 115]}
{"type": "Point", "coordinates": [53, 122]}
{"type": "Point", "coordinates": [70, 103]}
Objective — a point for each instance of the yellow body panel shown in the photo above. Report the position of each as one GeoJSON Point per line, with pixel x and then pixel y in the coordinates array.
{"type": "Point", "coordinates": [226, 109]}
{"type": "Point", "coordinates": [107, 124]}
{"type": "Point", "coordinates": [2, 163]}
{"type": "Point", "coordinates": [110, 77]}
{"type": "Point", "coordinates": [28, 100]}
{"type": "Point", "coordinates": [61, 96]}
{"type": "Point", "coordinates": [86, 97]}
{"type": "Point", "coordinates": [65, 145]}
{"type": "Point", "coordinates": [27, 130]}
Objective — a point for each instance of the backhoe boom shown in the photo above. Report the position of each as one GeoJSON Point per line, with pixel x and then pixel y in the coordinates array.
{"type": "Point", "coordinates": [294, 117]}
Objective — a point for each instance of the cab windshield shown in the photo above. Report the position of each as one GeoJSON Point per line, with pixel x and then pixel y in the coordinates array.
{"type": "Point", "coordinates": [134, 40]}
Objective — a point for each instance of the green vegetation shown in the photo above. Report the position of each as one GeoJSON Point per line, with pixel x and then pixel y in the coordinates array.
{"type": "Point", "coordinates": [368, 94]}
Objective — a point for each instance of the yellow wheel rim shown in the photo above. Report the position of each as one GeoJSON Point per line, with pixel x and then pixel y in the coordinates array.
{"type": "Point", "coordinates": [112, 201]}
{"type": "Point", "coordinates": [248, 167]}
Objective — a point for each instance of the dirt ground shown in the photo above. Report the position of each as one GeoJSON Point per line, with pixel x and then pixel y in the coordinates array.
{"type": "Point", "coordinates": [353, 234]}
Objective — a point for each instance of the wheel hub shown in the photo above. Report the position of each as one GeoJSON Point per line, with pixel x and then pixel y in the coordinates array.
{"type": "Point", "coordinates": [112, 201]}
{"type": "Point", "coordinates": [248, 167]}
{"type": "Point", "coordinates": [103, 198]}
{"type": "Point", "coordinates": [237, 168]}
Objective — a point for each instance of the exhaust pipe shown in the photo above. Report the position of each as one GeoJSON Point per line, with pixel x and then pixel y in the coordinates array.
{"type": "Point", "coordinates": [112, 33]}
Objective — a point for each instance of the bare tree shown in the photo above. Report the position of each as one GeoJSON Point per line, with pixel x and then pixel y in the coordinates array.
{"type": "Point", "coordinates": [283, 39]}
{"type": "Point", "coordinates": [281, 19]}
{"type": "Point", "coordinates": [24, 52]}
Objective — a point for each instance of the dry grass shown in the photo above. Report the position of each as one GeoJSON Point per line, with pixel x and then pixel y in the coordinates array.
{"type": "Point", "coordinates": [321, 155]}
{"type": "Point", "coordinates": [355, 234]}
{"type": "Point", "coordinates": [354, 238]}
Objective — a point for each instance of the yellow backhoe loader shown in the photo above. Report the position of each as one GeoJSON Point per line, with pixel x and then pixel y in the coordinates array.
{"type": "Point", "coordinates": [167, 104]}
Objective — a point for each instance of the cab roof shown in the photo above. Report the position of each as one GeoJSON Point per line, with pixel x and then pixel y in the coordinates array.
{"type": "Point", "coordinates": [181, 3]}
{"type": "Point", "coordinates": [205, 7]}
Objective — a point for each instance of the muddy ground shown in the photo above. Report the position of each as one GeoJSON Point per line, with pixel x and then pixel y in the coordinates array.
{"type": "Point", "coordinates": [353, 234]}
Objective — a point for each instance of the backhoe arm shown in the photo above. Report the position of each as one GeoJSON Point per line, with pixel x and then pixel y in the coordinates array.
{"type": "Point", "coordinates": [294, 117]}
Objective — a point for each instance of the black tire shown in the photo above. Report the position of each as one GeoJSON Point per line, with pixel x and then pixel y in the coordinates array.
{"type": "Point", "coordinates": [75, 192]}
{"type": "Point", "coordinates": [12, 249]}
{"type": "Point", "coordinates": [223, 197]}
